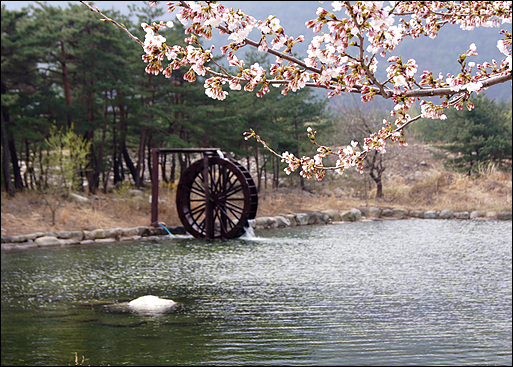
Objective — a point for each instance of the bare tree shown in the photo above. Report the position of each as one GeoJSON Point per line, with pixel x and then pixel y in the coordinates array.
{"type": "Point", "coordinates": [358, 121]}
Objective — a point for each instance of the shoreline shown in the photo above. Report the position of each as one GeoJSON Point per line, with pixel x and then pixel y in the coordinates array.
{"type": "Point", "coordinates": [93, 236]}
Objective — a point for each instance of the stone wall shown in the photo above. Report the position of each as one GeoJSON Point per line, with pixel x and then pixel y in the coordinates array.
{"type": "Point", "coordinates": [99, 236]}
{"type": "Point", "coordinates": [86, 237]}
{"type": "Point", "coordinates": [369, 213]}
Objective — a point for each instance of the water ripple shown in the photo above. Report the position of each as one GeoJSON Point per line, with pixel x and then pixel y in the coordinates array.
{"type": "Point", "coordinates": [410, 292]}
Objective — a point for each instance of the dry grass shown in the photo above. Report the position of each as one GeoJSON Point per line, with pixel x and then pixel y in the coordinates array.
{"type": "Point", "coordinates": [438, 190]}
{"type": "Point", "coordinates": [27, 213]}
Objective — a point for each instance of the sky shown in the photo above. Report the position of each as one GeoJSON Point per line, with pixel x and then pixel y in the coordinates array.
{"type": "Point", "coordinates": [258, 8]}
{"type": "Point", "coordinates": [118, 5]}
{"type": "Point", "coordinates": [292, 14]}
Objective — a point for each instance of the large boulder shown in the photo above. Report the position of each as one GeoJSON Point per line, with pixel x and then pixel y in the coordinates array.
{"type": "Point", "coordinates": [400, 213]}
{"type": "Point", "coordinates": [357, 214]}
{"type": "Point", "coordinates": [113, 233]}
{"type": "Point", "coordinates": [387, 213]}
{"type": "Point", "coordinates": [374, 212]}
{"type": "Point", "coordinates": [351, 215]}
{"type": "Point", "coordinates": [265, 222]}
{"type": "Point", "coordinates": [430, 214]}
{"type": "Point", "coordinates": [152, 305]}
{"type": "Point", "coordinates": [302, 219]}
{"type": "Point", "coordinates": [446, 214]}
{"type": "Point", "coordinates": [281, 221]}
{"type": "Point", "coordinates": [79, 199]}
{"type": "Point", "coordinates": [74, 235]}
{"type": "Point", "coordinates": [94, 234]}
{"type": "Point", "coordinates": [314, 218]}
{"type": "Point", "coordinates": [504, 216]}
{"type": "Point", "coordinates": [477, 214]}
{"type": "Point", "coordinates": [462, 215]}
{"type": "Point", "coordinates": [491, 215]}
{"type": "Point", "coordinates": [292, 219]}
{"type": "Point", "coordinates": [15, 239]}
{"type": "Point", "coordinates": [47, 241]}
{"type": "Point", "coordinates": [129, 232]}
{"type": "Point", "coordinates": [332, 215]}
{"type": "Point", "coordinates": [416, 214]}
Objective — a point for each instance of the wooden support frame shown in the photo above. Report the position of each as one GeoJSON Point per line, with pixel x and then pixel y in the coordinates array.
{"type": "Point", "coordinates": [155, 161]}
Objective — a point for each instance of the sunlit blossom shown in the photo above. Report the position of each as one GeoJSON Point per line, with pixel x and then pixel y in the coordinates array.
{"type": "Point", "coordinates": [336, 60]}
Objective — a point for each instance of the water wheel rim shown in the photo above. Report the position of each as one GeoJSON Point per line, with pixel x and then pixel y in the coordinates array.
{"type": "Point", "coordinates": [231, 199]}
{"type": "Point", "coordinates": [252, 187]}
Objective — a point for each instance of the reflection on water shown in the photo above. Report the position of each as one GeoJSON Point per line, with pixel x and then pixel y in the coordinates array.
{"type": "Point", "coordinates": [421, 292]}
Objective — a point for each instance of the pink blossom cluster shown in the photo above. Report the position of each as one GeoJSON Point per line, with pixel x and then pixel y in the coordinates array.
{"type": "Point", "coordinates": [314, 167]}
{"type": "Point", "coordinates": [341, 58]}
{"type": "Point", "coordinates": [330, 63]}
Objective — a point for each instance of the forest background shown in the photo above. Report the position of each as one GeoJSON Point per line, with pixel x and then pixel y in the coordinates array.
{"type": "Point", "coordinates": [79, 114]}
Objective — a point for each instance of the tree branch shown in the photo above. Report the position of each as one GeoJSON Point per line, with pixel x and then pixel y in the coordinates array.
{"type": "Point", "coordinates": [431, 92]}
{"type": "Point", "coordinates": [106, 18]}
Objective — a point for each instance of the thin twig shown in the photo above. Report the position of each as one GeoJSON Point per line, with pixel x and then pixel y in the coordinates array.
{"type": "Point", "coordinates": [106, 18]}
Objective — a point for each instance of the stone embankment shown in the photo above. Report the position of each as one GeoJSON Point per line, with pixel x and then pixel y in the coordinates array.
{"type": "Point", "coordinates": [86, 237]}
{"type": "Point", "coordinates": [369, 213]}
{"type": "Point", "coordinates": [92, 235]}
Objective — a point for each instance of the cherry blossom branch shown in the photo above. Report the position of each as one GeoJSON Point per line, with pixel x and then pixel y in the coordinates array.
{"type": "Point", "coordinates": [331, 65]}
{"type": "Point", "coordinates": [431, 92]}
{"type": "Point", "coordinates": [106, 18]}
{"type": "Point", "coordinates": [255, 44]}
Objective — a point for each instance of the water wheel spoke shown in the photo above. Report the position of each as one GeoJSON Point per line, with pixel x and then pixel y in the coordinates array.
{"type": "Point", "coordinates": [224, 218]}
{"type": "Point", "coordinates": [229, 181]}
{"type": "Point", "coordinates": [217, 219]}
{"type": "Point", "coordinates": [234, 209]}
{"type": "Point", "coordinates": [214, 178]}
{"type": "Point", "coordinates": [232, 183]}
{"type": "Point", "coordinates": [221, 179]}
{"type": "Point", "coordinates": [224, 215]}
{"type": "Point", "coordinates": [200, 208]}
{"type": "Point", "coordinates": [200, 185]}
{"type": "Point", "coordinates": [198, 190]}
{"type": "Point", "coordinates": [201, 225]}
{"type": "Point", "coordinates": [196, 220]}
{"type": "Point", "coordinates": [233, 191]}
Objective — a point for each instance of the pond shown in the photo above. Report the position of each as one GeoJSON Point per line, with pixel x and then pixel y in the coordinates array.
{"type": "Point", "coordinates": [408, 292]}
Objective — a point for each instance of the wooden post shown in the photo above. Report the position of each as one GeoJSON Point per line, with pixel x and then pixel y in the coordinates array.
{"type": "Point", "coordinates": [155, 154]}
{"type": "Point", "coordinates": [155, 187]}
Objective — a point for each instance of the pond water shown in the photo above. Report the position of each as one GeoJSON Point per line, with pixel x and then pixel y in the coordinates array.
{"type": "Point", "coordinates": [409, 292]}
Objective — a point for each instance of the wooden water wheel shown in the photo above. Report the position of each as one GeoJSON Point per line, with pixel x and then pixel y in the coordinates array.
{"type": "Point", "coordinates": [216, 197]}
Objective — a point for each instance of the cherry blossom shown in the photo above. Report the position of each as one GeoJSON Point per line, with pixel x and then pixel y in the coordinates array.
{"type": "Point", "coordinates": [342, 58]}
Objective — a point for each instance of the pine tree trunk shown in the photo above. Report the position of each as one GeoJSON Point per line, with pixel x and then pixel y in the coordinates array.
{"type": "Point", "coordinates": [66, 84]}
{"type": "Point", "coordinates": [6, 169]}
{"type": "Point", "coordinates": [18, 182]}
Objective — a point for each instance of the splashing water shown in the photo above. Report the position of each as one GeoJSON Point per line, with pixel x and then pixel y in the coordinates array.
{"type": "Point", "coordinates": [250, 233]}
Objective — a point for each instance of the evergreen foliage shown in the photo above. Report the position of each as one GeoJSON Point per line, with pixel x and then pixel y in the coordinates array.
{"type": "Point", "coordinates": [62, 67]}
{"type": "Point", "coordinates": [478, 137]}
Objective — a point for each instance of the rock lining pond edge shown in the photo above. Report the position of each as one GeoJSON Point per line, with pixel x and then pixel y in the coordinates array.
{"type": "Point", "coordinates": [92, 236]}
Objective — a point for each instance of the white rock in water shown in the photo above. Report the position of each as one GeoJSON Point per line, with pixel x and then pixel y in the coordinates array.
{"type": "Point", "coordinates": [151, 304]}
